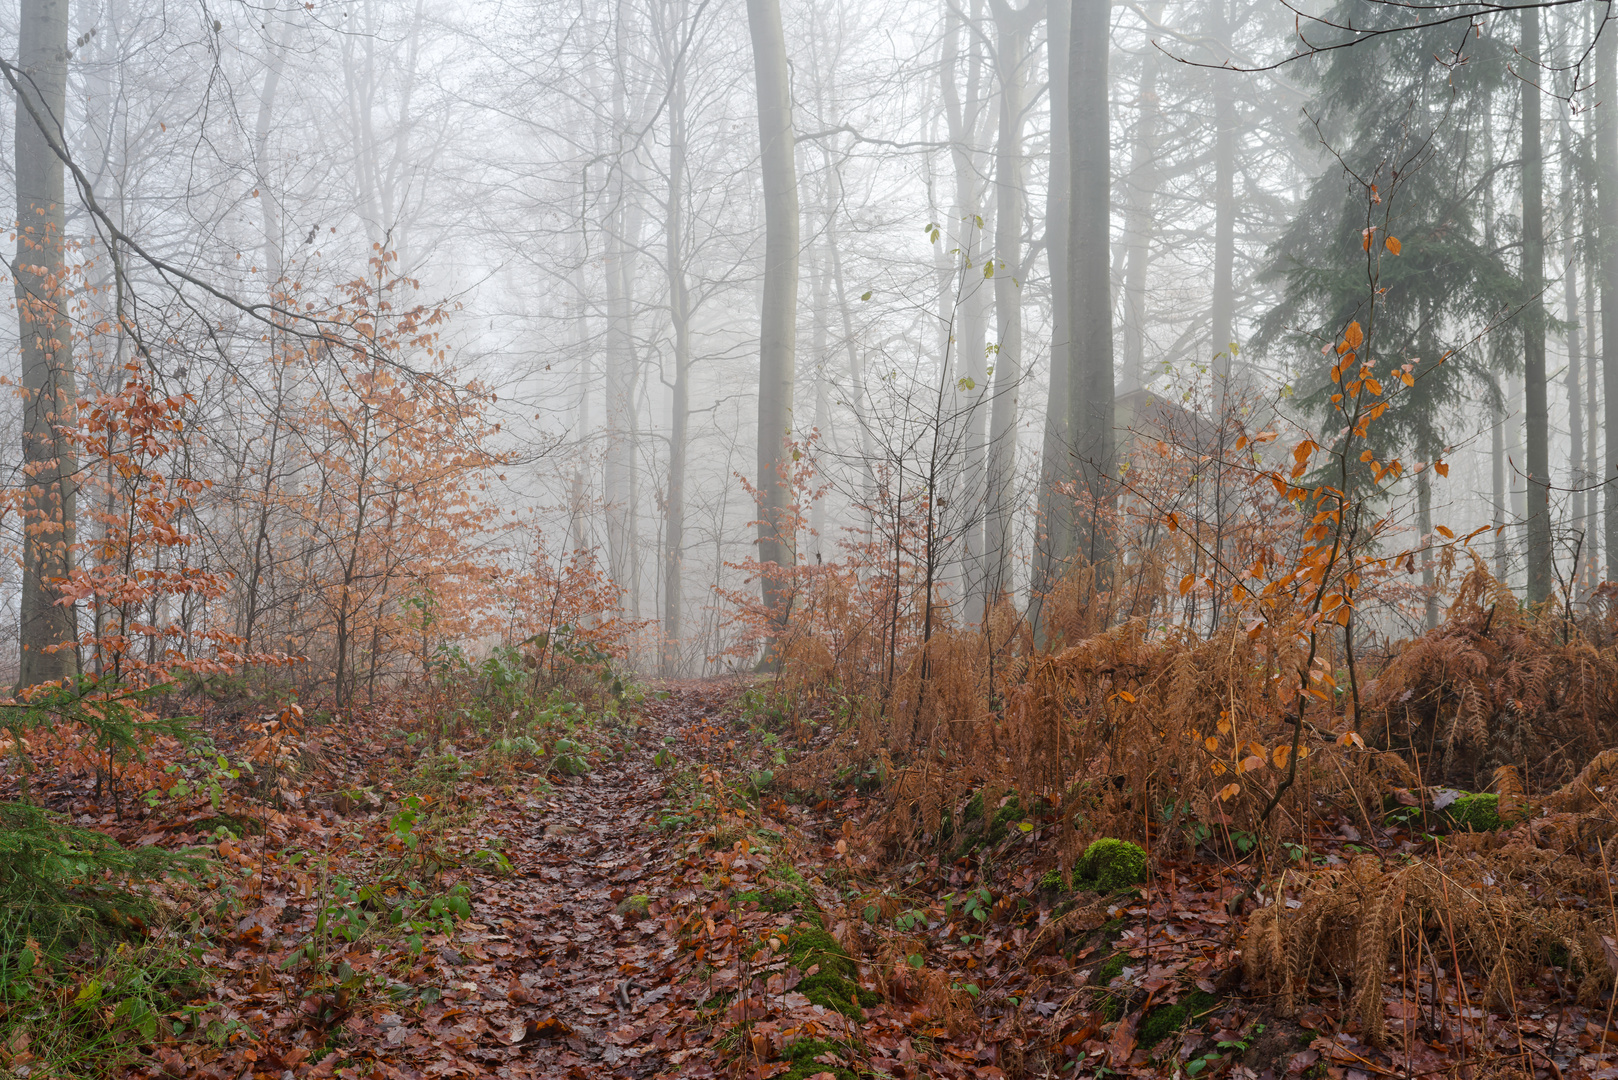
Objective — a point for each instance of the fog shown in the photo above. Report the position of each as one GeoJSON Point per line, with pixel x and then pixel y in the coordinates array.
{"type": "Point", "coordinates": [500, 322]}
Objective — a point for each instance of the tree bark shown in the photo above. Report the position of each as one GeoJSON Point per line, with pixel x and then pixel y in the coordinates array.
{"type": "Point", "coordinates": [1575, 353]}
{"type": "Point", "coordinates": [1138, 220]}
{"type": "Point", "coordinates": [1607, 195]}
{"type": "Point", "coordinates": [47, 629]}
{"type": "Point", "coordinates": [1011, 57]}
{"type": "Point", "coordinates": [1091, 392]}
{"type": "Point", "coordinates": [966, 301]}
{"type": "Point", "coordinates": [1054, 530]}
{"type": "Point", "coordinates": [778, 324]}
{"type": "Point", "coordinates": [1541, 563]}
{"type": "Point", "coordinates": [680, 403]}
{"type": "Point", "coordinates": [1221, 311]}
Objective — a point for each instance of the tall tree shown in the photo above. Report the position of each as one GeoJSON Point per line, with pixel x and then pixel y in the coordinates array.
{"type": "Point", "coordinates": [1054, 529]}
{"type": "Point", "coordinates": [1541, 558]}
{"type": "Point", "coordinates": [1090, 385]}
{"type": "Point", "coordinates": [778, 324]}
{"type": "Point", "coordinates": [1223, 308]}
{"type": "Point", "coordinates": [1012, 60]}
{"type": "Point", "coordinates": [673, 58]}
{"type": "Point", "coordinates": [1142, 192]}
{"type": "Point", "coordinates": [1607, 199]}
{"type": "Point", "coordinates": [964, 86]}
{"type": "Point", "coordinates": [47, 627]}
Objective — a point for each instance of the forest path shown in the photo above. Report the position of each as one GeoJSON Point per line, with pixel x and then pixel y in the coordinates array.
{"type": "Point", "coordinates": [585, 963]}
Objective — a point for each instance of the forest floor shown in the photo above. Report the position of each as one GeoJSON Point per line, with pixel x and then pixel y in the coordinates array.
{"type": "Point", "coordinates": [644, 902]}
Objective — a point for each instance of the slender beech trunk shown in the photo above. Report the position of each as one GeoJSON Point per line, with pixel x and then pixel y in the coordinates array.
{"type": "Point", "coordinates": [1426, 451]}
{"type": "Point", "coordinates": [680, 396]}
{"type": "Point", "coordinates": [1592, 375]}
{"type": "Point", "coordinates": [47, 629]}
{"type": "Point", "coordinates": [1221, 312]}
{"type": "Point", "coordinates": [1607, 196]}
{"type": "Point", "coordinates": [1091, 392]}
{"type": "Point", "coordinates": [819, 350]}
{"type": "Point", "coordinates": [1541, 564]}
{"type": "Point", "coordinates": [856, 367]}
{"type": "Point", "coordinates": [1012, 59]}
{"type": "Point", "coordinates": [962, 87]}
{"type": "Point", "coordinates": [1143, 179]}
{"type": "Point", "coordinates": [1575, 350]}
{"type": "Point", "coordinates": [1054, 530]}
{"type": "Point", "coordinates": [623, 240]}
{"type": "Point", "coordinates": [778, 324]}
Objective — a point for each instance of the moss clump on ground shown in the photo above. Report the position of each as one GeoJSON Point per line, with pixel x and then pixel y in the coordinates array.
{"type": "Point", "coordinates": [1000, 824]}
{"type": "Point", "coordinates": [639, 905]}
{"type": "Point", "coordinates": [1111, 865]}
{"type": "Point", "coordinates": [802, 1055]}
{"type": "Point", "coordinates": [832, 986]}
{"type": "Point", "coordinates": [1479, 812]}
{"type": "Point", "coordinates": [1162, 1022]}
{"type": "Point", "coordinates": [1113, 968]}
{"type": "Point", "coordinates": [1052, 881]}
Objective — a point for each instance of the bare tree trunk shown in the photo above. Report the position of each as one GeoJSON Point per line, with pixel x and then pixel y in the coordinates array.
{"type": "Point", "coordinates": [778, 325]}
{"type": "Point", "coordinates": [1091, 391]}
{"type": "Point", "coordinates": [47, 629]}
{"type": "Point", "coordinates": [819, 348]}
{"type": "Point", "coordinates": [1607, 195]}
{"type": "Point", "coordinates": [966, 310]}
{"type": "Point", "coordinates": [1054, 531]}
{"type": "Point", "coordinates": [1593, 346]}
{"type": "Point", "coordinates": [1222, 310]}
{"type": "Point", "coordinates": [680, 317]}
{"type": "Point", "coordinates": [1541, 558]}
{"type": "Point", "coordinates": [1143, 179]}
{"type": "Point", "coordinates": [623, 240]}
{"type": "Point", "coordinates": [1575, 352]}
{"type": "Point", "coordinates": [1012, 59]}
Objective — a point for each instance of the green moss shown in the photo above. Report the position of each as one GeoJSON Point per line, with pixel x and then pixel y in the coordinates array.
{"type": "Point", "coordinates": [974, 809]}
{"type": "Point", "coordinates": [831, 990]}
{"type": "Point", "coordinates": [239, 826]}
{"type": "Point", "coordinates": [814, 946]}
{"type": "Point", "coordinates": [1162, 1022]}
{"type": "Point", "coordinates": [1113, 968]}
{"type": "Point", "coordinates": [638, 905]}
{"type": "Point", "coordinates": [832, 985]}
{"type": "Point", "coordinates": [802, 1055]}
{"type": "Point", "coordinates": [1052, 881]}
{"type": "Point", "coordinates": [1478, 812]}
{"type": "Point", "coordinates": [1000, 824]}
{"type": "Point", "coordinates": [1113, 864]}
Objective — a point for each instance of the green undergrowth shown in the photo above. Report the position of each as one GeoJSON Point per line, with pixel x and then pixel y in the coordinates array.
{"type": "Point", "coordinates": [829, 973]}
{"type": "Point", "coordinates": [1107, 866]}
{"type": "Point", "coordinates": [802, 1055]}
{"type": "Point", "coordinates": [1479, 812]}
{"type": "Point", "coordinates": [1166, 1020]}
{"type": "Point", "coordinates": [786, 891]}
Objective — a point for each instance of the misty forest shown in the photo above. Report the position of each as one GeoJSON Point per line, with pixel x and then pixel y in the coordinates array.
{"type": "Point", "coordinates": [815, 540]}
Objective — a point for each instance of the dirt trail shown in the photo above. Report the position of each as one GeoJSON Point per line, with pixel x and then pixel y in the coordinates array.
{"type": "Point", "coordinates": [577, 965]}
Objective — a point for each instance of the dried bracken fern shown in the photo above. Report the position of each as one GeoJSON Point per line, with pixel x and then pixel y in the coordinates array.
{"type": "Point", "coordinates": [1495, 686]}
{"type": "Point", "coordinates": [1348, 923]}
